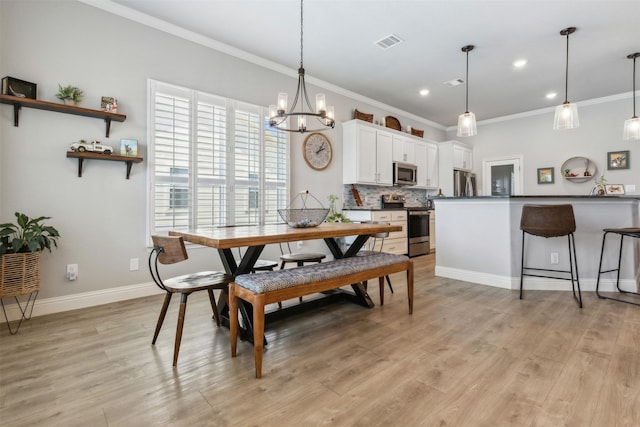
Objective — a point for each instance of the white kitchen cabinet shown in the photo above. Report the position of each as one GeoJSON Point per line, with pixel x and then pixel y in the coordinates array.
{"type": "Point", "coordinates": [426, 159]}
{"type": "Point", "coordinates": [432, 165]}
{"type": "Point", "coordinates": [452, 155]}
{"type": "Point", "coordinates": [403, 149]}
{"type": "Point", "coordinates": [462, 157]}
{"type": "Point", "coordinates": [397, 241]}
{"type": "Point", "coordinates": [367, 153]}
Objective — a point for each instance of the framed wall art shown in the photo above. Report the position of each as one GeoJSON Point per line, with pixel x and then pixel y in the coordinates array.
{"type": "Point", "coordinates": [617, 160]}
{"type": "Point", "coordinates": [545, 176]}
{"type": "Point", "coordinates": [614, 189]}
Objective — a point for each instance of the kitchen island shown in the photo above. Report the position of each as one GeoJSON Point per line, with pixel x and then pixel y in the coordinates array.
{"type": "Point", "coordinates": [479, 241]}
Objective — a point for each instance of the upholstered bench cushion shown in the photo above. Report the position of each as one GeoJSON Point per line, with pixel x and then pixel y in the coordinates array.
{"type": "Point", "coordinates": [282, 279]}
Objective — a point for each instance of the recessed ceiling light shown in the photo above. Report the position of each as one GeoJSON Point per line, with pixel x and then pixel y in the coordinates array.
{"type": "Point", "coordinates": [424, 92]}
{"type": "Point", "coordinates": [520, 63]}
{"type": "Point", "coordinates": [551, 95]}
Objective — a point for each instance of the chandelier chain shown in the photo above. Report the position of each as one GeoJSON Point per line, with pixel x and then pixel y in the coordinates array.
{"type": "Point", "coordinates": [301, 31]}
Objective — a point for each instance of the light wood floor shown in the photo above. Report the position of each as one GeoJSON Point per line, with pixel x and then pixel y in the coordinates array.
{"type": "Point", "coordinates": [470, 355]}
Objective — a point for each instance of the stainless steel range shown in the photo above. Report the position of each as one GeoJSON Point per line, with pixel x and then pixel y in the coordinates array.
{"type": "Point", "coordinates": [417, 223]}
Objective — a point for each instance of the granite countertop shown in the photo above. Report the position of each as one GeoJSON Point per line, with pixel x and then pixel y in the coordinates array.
{"type": "Point", "coordinates": [542, 196]}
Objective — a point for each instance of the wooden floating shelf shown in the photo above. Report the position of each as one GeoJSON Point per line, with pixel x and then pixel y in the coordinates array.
{"type": "Point", "coordinates": [99, 156]}
{"type": "Point", "coordinates": [19, 102]}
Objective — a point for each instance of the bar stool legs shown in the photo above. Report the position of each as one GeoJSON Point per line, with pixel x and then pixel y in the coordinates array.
{"type": "Point", "coordinates": [628, 232]}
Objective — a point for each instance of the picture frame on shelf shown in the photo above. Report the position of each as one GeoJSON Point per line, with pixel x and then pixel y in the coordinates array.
{"type": "Point", "coordinates": [546, 175]}
{"type": "Point", "coordinates": [129, 147]}
{"type": "Point", "coordinates": [617, 160]}
{"type": "Point", "coordinates": [20, 88]}
{"type": "Point", "coordinates": [109, 104]}
{"type": "Point", "coordinates": [614, 189]}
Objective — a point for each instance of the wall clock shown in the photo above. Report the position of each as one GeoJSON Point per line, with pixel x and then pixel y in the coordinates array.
{"type": "Point", "coordinates": [317, 151]}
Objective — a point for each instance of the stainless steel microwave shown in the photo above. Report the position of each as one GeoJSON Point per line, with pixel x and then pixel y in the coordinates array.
{"type": "Point", "coordinates": [405, 174]}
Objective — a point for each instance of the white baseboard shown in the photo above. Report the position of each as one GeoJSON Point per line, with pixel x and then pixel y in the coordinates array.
{"type": "Point", "coordinates": [82, 300]}
{"type": "Point", "coordinates": [532, 283]}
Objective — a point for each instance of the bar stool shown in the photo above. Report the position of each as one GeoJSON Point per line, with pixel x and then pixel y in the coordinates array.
{"type": "Point", "coordinates": [551, 221]}
{"type": "Point", "coordinates": [623, 232]}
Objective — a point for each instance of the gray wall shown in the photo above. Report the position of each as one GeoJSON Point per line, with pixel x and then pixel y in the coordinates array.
{"type": "Point", "coordinates": [102, 216]}
{"type": "Point", "coordinates": [533, 138]}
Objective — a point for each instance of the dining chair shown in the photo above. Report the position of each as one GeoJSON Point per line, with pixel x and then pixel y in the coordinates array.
{"type": "Point", "coordinates": [372, 243]}
{"type": "Point", "coordinates": [171, 250]}
{"type": "Point", "coordinates": [299, 258]}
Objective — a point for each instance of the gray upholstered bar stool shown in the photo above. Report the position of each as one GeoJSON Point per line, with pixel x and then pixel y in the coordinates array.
{"type": "Point", "coordinates": [622, 232]}
{"type": "Point", "coordinates": [551, 221]}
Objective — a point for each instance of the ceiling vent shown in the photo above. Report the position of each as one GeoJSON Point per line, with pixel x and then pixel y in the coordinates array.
{"type": "Point", "coordinates": [389, 41]}
{"type": "Point", "coordinates": [454, 82]}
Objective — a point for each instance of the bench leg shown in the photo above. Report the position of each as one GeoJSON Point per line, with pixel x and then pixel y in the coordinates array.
{"type": "Point", "coordinates": [258, 331]}
{"type": "Point", "coordinates": [410, 286]}
{"type": "Point", "coordinates": [381, 286]}
{"type": "Point", "coordinates": [214, 307]}
{"type": "Point", "coordinates": [233, 318]}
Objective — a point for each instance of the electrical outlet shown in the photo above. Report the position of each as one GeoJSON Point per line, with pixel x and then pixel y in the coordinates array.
{"type": "Point", "coordinates": [72, 271]}
{"type": "Point", "coordinates": [299, 244]}
{"type": "Point", "coordinates": [133, 264]}
{"type": "Point", "coordinates": [554, 257]}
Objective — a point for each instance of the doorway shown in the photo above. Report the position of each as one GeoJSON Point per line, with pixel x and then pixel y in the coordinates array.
{"type": "Point", "coordinates": [503, 177]}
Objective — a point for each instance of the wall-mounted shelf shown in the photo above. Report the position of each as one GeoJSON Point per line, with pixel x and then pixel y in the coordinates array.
{"type": "Point", "coordinates": [99, 156]}
{"type": "Point", "coordinates": [18, 103]}
{"type": "Point", "coordinates": [578, 166]}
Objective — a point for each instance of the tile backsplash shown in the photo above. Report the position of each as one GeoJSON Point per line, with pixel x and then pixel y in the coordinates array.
{"type": "Point", "coordinates": [371, 196]}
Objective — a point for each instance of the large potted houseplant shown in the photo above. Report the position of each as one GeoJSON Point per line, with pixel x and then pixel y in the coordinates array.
{"type": "Point", "coordinates": [21, 244]}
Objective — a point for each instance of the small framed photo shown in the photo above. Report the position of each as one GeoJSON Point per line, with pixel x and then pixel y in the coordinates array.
{"type": "Point", "coordinates": [616, 189]}
{"type": "Point", "coordinates": [545, 176]}
{"type": "Point", "coordinates": [617, 160]}
{"type": "Point", "coordinates": [129, 147]}
{"type": "Point", "coordinates": [109, 104]}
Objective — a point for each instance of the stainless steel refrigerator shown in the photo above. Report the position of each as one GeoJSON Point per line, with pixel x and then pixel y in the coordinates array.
{"type": "Point", "coordinates": [464, 184]}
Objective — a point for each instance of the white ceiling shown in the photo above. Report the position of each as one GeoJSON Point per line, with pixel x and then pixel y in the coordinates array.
{"type": "Point", "coordinates": [339, 47]}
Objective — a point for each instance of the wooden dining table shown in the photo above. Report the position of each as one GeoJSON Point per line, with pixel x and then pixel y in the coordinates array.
{"type": "Point", "coordinates": [255, 238]}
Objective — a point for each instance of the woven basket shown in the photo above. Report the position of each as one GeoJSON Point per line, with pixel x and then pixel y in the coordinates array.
{"type": "Point", "coordinates": [19, 274]}
{"type": "Point", "coordinates": [363, 116]}
{"type": "Point", "coordinates": [392, 122]}
{"type": "Point", "coordinates": [417, 132]}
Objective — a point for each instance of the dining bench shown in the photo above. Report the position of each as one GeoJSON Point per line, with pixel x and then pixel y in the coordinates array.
{"type": "Point", "coordinates": [276, 286]}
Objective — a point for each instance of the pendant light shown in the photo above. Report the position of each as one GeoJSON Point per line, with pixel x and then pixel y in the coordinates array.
{"type": "Point", "coordinates": [632, 125]}
{"type": "Point", "coordinates": [321, 119]}
{"type": "Point", "coordinates": [566, 116]}
{"type": "Point", "coordinates": [467, 120]}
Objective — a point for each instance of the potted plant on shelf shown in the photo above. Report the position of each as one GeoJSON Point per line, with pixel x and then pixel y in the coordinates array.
{"type": "Point", "coordinates": [70, 95]}
{"type": "Point", "coordinates": [20, 247]}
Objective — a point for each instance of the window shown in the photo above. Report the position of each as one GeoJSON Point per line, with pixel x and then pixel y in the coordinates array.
{"type": "Point", "coordinates": [214, 161]}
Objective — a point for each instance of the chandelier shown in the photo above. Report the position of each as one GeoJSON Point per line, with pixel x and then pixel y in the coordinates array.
{"type": "Point", "coordinates": [320, 119]}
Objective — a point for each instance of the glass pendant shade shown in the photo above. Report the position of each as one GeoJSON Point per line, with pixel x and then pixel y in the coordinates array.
{"type": "Point", "coordinates": [467, 120]}
{"type": "Point", "coordinates": [467, 124]}
{"type": "Point", "coordinates": [566, 116]}
{"type": "Point", "coordinates": [631, 129]}
{"type": "Point", "coordinates": [632, 126]}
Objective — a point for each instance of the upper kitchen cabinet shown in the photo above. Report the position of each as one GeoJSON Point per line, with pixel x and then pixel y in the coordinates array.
{"type": "Point", "coordinates": [366, 154]}
{"type": "Point", "coordinates": [462, 157]}
{"type": "Point", "coordinates": [403, 149]}
{"type": "Point", "coordinates": [452, 155]}
{"type": "Point", "coordinates": [426, 159]}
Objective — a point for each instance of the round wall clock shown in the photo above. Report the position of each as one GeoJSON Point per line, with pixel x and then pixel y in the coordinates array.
{"type": "Point", "coordinates": [317, 151]}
